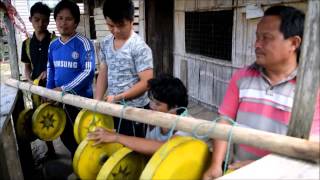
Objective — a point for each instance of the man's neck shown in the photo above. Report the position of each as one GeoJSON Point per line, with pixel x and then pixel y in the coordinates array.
{"type": "Point", "coordinates": [65, 38]}
{"type": "Point", "coordinates": [40, 35]}
{"type": "Point", "coordinates": [280, 73]}
{"type": "Point", "coordinates": [124, 38]}
{"type": "Point", "coordinates": [119, 42]}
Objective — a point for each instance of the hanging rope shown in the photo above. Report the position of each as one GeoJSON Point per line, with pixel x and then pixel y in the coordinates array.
{"type": "Point", "coordinates": [205, 136]}
{"type": "Point", "coordinates": [124, 105]}
{"type": "Point", "coordinates": [173, 126]}
{"type": "Point", "coordinates": [63, 93]}
{"type": "Point", "coordinates": [93, 123]}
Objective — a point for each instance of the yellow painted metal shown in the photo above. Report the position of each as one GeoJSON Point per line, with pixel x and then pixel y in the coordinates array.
{"type": "Point", "coordinates": [87, 121]}
{"type": "Point", "coordinates": [124, 164]}
{"type": "Point", "coordinates": [179, 158]}
{"type": "Point", "coordinates": [89, 159]}
{"type": "Point", "coordinates": [48, 122]}
{"type": "Point", "coordinates": [158, 156]}
{"type": "Point", "coordinates": [24, 125]}
{"type": "Point", "coordinates": [36, 100]}
{"type": "Point", "coordinates": [229, 171]}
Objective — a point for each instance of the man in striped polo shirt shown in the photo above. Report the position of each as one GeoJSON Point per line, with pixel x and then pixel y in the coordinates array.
{"type": "Point", "coordinates": [261, 96]}
{"type": "Point", "coordinates": [71, 64]}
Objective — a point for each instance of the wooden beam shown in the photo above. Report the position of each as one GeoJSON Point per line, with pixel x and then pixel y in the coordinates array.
{"type": "Point", "coordinates": [308, 75]}
{"type": "Point", "coordinates": [276, 143]}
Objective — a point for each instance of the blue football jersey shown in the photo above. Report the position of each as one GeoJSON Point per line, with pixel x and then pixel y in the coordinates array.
{"type": "Point", "coordinates": [71, 65]}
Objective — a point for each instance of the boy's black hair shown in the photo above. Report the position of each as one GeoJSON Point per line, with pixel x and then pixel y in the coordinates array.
{"type": "Point", "coordinates": [71, 6]}
{"type": "Point", "coordinates": [292, 22]}
{"type": "Point", "coordinates": [40, 8]}
{"type": "Point", "coordinates": [118, 10]}
{"type": "Point", "coordinates": [170, 90]}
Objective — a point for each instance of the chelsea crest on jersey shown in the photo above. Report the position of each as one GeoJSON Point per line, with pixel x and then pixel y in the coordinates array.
{"type": "Point", "coordinates": [71, 64]}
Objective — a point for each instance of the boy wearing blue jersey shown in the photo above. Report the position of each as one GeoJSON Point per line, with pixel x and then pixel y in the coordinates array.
{"type": "Point", "coordinates": [126, 63]}
{"type": "Point", "coordinates": [71, 63]}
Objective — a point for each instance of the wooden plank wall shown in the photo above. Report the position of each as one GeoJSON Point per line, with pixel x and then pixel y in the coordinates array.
{"type": "Point", "coordinates": [100, 23]}
{"type": "Point", "coordinates": [207, 78]}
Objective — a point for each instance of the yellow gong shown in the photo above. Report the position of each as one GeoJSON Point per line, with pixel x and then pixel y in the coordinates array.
{"type": "Point", "coordinates": [124, 164]}
{"type": "Point", "coordinates": [179, 158]}
{"type": "Point", "coordinates": [86, 121]}
{"type": "Point", "coordinates": [89, 159]}
{"type": "Point", "coordinates": [24, 125]}
{"type": "Point", "coordinates": [48, 122]}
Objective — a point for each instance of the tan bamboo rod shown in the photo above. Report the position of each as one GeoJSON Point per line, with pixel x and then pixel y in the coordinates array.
{"type": "Point", "coordinates": [280, 144]}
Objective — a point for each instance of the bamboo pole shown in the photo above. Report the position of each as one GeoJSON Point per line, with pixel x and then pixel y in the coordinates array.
{"type": "Point", "coordinates": [280, 144]}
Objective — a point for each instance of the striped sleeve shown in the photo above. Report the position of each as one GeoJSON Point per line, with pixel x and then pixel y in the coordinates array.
{"type": "Point", "coordinates": [50, 70]}
{"type": "Point", "coordinates": [87, 66]}
{"type": "Point", "coordinates": [315, 129]}
{"type": "Point", "coordinates": [230, 103]}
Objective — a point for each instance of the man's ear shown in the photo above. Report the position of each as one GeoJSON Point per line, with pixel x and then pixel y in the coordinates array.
{"type": "Point", "coordinates": [173, 110]}
{"type": "Point", "coordinates": [295, 42]}
{"type": "Point", "coordinates": [30, 19]}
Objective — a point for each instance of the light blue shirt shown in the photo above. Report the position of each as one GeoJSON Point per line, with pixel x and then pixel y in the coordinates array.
{"type": "Point", "coordinates": [124, 64]}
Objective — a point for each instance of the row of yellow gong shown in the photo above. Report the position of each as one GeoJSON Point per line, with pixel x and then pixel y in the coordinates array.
{"type": "Point", "coordinates": [44, 121]}
{"type": "Point", "coordinates": [178, 158]}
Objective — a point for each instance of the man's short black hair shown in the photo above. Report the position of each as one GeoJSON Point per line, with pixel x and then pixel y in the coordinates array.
{"type": "Point", "coordinates": [170, 90]}
{"type": "Point", "coordinates": [71, 6]}
{"type": "Point", "coordinates": [292, 21]}
{"type": "Point", "coordinates": [40, 8]}
{"type": "Point", "coordinates": [118, 10]}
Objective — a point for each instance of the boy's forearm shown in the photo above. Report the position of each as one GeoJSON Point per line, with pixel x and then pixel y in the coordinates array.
{"type": "Point", "coordinates": [135, 91]}
{"type": "Point", "coordinates": [218, 153]}
{"type": "Point", "coordinates": [141, 145]}
{"type": "Point", "coordinates": [27, 72]}
{"type": "Point", "coordinates": [139, 88]}
{"type": "Point", "coordinates": [219, 150]}
{"type": "Point", "coordinates": [101, 84]}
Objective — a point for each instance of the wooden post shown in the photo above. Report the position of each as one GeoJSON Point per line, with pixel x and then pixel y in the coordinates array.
{"type": "Point", "coordinates": [142, 29]}
{"type": "Point", "coordinates": [276, 143]}
{"type": "Point", "coordinates": [159, 29]}
{"type": "Point", "coordinates": [86, 17]}
{"type": "Point", "coordinates": [14, 64]}
{"type": "Point", "coordinates": [308, 75]}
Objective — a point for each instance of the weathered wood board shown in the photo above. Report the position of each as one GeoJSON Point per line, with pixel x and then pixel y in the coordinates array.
{"type": "Point", "coordinates": [276, 167]}
{"type": "Point", "coordinates": [10, 167]}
